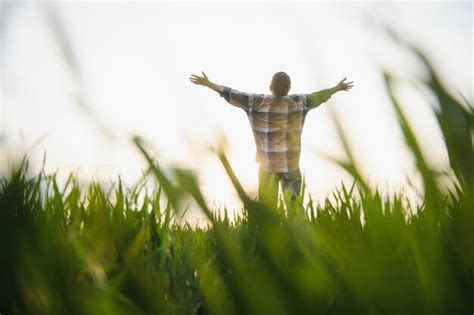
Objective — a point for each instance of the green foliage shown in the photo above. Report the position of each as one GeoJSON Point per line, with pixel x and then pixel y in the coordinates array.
{"type": "Point", "coordinates": [85, 250]}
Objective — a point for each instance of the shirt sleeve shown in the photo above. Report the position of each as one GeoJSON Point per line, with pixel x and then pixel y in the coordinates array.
{"type": "Point", "coordinates": [315, 99]}
{"type": "Point", "coordinates": [241, 99]}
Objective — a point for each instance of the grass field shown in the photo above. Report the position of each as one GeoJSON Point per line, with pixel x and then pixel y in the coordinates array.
{"type": "Point", "coordinates": [73, 250]}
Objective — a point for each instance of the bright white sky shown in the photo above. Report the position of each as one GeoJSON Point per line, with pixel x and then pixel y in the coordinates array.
{"type": "Point", "coordinates": [135, 60]}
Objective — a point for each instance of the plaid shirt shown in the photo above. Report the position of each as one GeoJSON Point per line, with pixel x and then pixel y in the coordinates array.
{"type": "Point", "coordinates": [277, 123]}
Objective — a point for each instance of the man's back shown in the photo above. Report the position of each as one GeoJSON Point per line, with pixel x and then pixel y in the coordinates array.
{"type": "Point", "coordinates": [277, 123]}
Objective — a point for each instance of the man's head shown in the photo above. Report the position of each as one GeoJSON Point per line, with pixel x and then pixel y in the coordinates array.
{"type": "Point", "coordinates": [281, 84]}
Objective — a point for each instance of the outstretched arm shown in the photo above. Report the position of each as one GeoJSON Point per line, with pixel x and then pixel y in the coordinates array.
{"type": "Point", "coordinates": [240, 99]}
{"type": "Point", "coordinates": [317, 98]}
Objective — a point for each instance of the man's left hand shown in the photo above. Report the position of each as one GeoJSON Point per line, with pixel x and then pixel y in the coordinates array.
{"type": "Point", "coordinates": [204, 80]}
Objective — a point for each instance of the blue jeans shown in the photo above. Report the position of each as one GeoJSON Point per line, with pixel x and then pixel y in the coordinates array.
{"type": "Point", "coordinates": [269, 182]}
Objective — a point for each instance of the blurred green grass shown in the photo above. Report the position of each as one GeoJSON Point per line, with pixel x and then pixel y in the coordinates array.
{"type": "Point", "coordinates": [70, 250]}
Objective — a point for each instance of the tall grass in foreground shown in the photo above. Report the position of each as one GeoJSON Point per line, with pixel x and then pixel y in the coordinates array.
{"type": "Point", "coordinates": [65, 250]}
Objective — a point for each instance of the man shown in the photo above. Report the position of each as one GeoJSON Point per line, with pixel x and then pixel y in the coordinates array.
{"type": "Point", "coordinates": [277, 122]}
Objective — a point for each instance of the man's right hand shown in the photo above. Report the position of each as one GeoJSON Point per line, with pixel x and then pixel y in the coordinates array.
{"type": "Point", "coordinates": [344, 86]}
